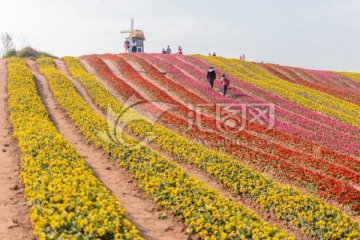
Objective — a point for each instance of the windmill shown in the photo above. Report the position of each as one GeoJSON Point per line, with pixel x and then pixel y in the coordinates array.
{"type": "Point", "coordinates": [137, 36]}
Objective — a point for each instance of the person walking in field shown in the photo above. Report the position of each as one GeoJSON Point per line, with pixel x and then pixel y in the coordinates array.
{"type": "Point", "coordinates": [225, 82]}
{"type": "Point", "coordinates": [211, 76]}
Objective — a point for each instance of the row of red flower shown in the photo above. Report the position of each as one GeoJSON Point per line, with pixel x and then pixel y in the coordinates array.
{"type": "Point", "coordinates": [290, 141]}
{"type": "Point", "coordinates": [329, 154]}
{"type": "Point", "coordinates": [341, 191]}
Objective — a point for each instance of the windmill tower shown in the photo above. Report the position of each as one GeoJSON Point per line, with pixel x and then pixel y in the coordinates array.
{"type": "Point", "coordinates": [136, 38]}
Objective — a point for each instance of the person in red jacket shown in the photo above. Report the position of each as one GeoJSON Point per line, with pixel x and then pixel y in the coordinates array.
{"type": "Point", "coordinates": [225, 82]}
{"type": "Point", "coordinates": [127, 45]}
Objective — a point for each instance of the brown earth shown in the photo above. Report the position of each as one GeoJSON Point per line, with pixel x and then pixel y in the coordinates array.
{"type": "Point", "coordinates": [140, 210]}
{"type": "Point", "coordinates": [14, 213]}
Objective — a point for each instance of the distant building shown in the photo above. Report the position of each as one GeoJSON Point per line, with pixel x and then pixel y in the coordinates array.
{"type": "Point", "coordinates": [139, 38]}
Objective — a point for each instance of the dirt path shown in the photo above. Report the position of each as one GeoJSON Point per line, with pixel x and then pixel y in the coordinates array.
{"type": "Point", "coordinates": [106, 85]}
{"type": "Point", "coordinates": [171, 94]}
{"type": "Point", "coordinates": [14, 214]}
{"type": "Point", "coordinates": [112, 66]}
{"type": "Point", "coordinates": [206, 98]}
{"type": "Point", "coordinates": [141, 211]}
{"type": "Point", "coordinates": [193, 170]}
{"type": "Point", "coordinates": [270, 174]}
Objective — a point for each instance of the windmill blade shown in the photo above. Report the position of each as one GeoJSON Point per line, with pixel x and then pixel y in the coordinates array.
{"type": "Point", "coordinates": [125, 31]}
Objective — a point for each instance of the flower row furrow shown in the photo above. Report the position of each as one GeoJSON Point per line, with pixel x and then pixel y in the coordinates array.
{"type": "Point", "coordinates": [305, 211]}
{"type": "Point", "coordinates": [292, 141]}
{"type": "Point", "coordinates": [273, 98]}
{"type": "Point", "coordinates": [260, 159]}
{"type": "Point", "coordinates": [352, 75]}
{"type": "Point", "coordinates": [336, 80]}
{"type": "Point", "coordinates": [204, 211]}
{"type": "Point", "coordinates": [330, 135]}
{"type": "Point", "coordinates": [314, 95]}
{"type": "Point", "coordinates": [299, 158]}
{"type": "Point", "coordinates": [309, 98]}
{"type": "Point", "coordinates": [322, 85]}
{"type": "Point", "coordinates": [271, 69]}
{"type": "Point", "coordinates": [250, 140]}
{"type": "Point", "coordinates": [66, 199]}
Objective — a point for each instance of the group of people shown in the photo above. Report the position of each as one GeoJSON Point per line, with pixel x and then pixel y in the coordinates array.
{"type": "Point", "coordinates": [211, 76]}
{"type": "Point", "coordinates": [168, 50]}
{"type": "Point", "coordinates": [127, 46]}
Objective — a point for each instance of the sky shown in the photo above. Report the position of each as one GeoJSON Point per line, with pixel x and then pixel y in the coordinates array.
{"type": "Point", "coordinates": [315, 34]}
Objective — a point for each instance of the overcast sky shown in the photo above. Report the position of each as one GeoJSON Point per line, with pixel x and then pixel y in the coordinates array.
{"type": "Point", "coordinates": [316, 34]}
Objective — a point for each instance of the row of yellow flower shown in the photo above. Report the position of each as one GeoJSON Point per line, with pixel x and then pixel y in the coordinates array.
{"type": "Point", "coordinates": [353, 75]}
{"type": "Point", "coordinates": [67, 201]}
{"type": "Point", "coordinates": [204, 211]}
{"type": "Point", "coordinates": [309, 98]}
{"type": "Point", "coordinates": [304, 211]}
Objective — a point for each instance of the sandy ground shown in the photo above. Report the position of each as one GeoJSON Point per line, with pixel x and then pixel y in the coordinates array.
{"type": "Point", "coordinates": [14, 213]}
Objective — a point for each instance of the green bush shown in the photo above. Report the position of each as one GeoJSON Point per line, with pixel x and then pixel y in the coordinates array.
{"type": "Point", "coordinates": [28, 52]}
{"type": "Point", "coordinates": [11, 53]}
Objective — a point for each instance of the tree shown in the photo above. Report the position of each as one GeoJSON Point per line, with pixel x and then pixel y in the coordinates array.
{"type": "Point", "coordinates": [7, 43]}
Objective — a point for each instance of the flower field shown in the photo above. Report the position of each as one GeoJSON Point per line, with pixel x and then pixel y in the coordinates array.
{"type": "Point", "coordinates": [284, 143]}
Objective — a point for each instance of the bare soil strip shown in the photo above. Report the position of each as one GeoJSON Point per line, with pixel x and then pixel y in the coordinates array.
{"type": "Point", "coordinates": [14, 213]}
{"type": "Point", "coordinates": [141, 211]}
{"type": "Point", "coordinates": [196, 172]}
{"type": "Point", "coordinates": [206, 98]}
{"type": "Point", "coordinates": [142, 92]}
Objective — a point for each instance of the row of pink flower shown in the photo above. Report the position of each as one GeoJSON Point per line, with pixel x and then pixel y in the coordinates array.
{"type": "Point", "coordinates": [319, 133]}
{"type": "Point", "coordinates": [329, 80]}
{"type": "Point", "coordinates": [296, 72]}
{"type": "Point", "coordinates": [201, 86]}
{"type": "Point", "coordinates": [303, 78]}
{"type": "Point", "coordinates": [326, 79]}
{"type": "Point", "coordinates": [282, 73]}
{"type": "Point", "coordinates": [302, 74]}
{"type": "Point", "coordinates": [326, 186]}
{"type": "Point", "coordinates": [336, 80]}
{"type": "Point", "coordinates": [285, 153]}
{"type": "Point", "coordinates": [271, 97]}
{"type": "Point", "coordinates": [285, 159]}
